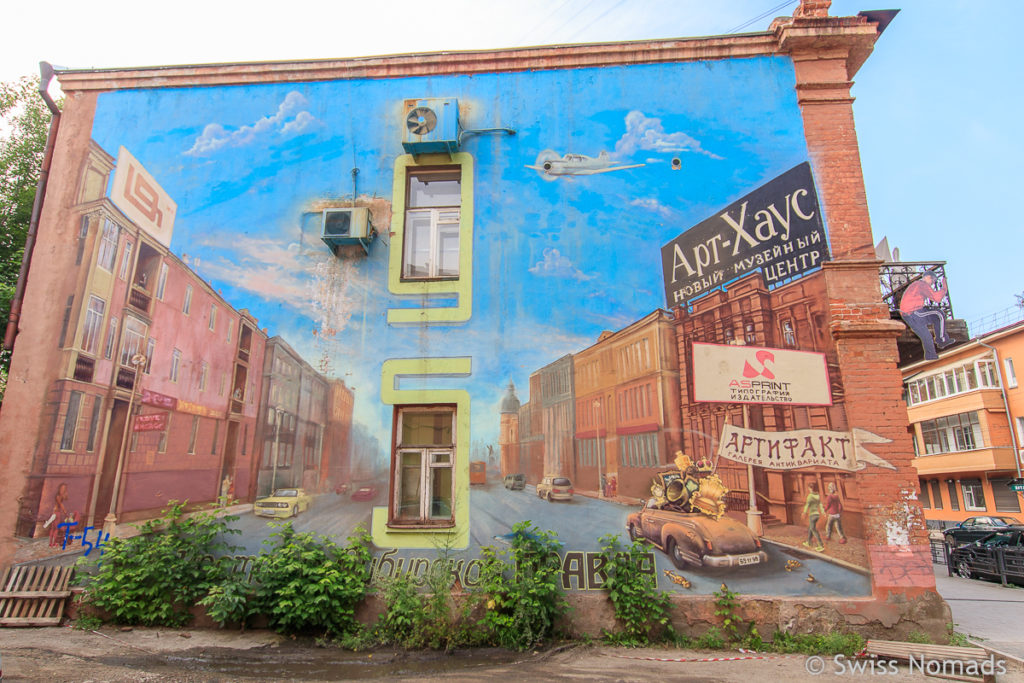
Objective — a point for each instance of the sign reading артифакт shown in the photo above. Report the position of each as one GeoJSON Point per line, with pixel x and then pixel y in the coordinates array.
{"type": "Point", "coordinates": [776, 229]}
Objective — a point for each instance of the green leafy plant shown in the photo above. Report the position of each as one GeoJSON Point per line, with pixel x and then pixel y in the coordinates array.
{"type": "Point", "coordinates": [88, 622]}
{"type": "Point", "coordinates": [231, 601]}
{"type": "Point", "coordinates": [958, 639]}
{"type": "Point", "coordinates": [641, 610]}
{"type": "Point", "coordinates": [405, 613]}
{"type": "Point", "coordinates": [725, 607]}
{"type": "Point", "coordinates": [711, 639]}
{"type": "Point", "coordinates": [156, 577]}
{"type": "Point", "coordinates": [918, 637]}
{"type": "Point", "coordinates": [520, 588]}
{"type": "Point", "coordinates": [306, 583]}
{"type": "Point", "coordinates": [847, 644]}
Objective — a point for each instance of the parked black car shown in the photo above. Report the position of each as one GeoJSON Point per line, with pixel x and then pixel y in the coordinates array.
{"type": "Point", "coordinates": [981, 559]}
{"type": "Point", "coordinates": [974, 528]}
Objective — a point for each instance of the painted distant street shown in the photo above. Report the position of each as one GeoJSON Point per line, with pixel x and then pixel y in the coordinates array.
{"type": "Point", "coordinates": [495, 510]}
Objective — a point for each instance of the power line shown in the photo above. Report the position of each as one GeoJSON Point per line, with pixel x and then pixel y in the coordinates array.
{"type": "Point", "coordinates": [541, 23]}
{"type": "Point", "coordinates": [586, 5]}
{"type": "Point", "coordinates": [596, 19]}
{"type": "Point", "coordinates": [761, 16]}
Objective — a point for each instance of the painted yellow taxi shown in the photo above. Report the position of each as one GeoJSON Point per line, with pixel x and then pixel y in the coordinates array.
{"type": "Point", "coordinates": [283, 503]}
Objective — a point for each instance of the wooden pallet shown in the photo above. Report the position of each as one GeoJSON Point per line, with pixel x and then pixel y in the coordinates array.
{"type": "Point", "coordinates": [951, 654]}
{"type": "Point", "coordinates": [34, 596]}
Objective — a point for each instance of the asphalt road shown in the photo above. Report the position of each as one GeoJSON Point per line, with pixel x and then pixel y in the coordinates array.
{"type": "Point", "coordinates": [987, 612]}
{"type": "Point", "coordinates": [579, 524]}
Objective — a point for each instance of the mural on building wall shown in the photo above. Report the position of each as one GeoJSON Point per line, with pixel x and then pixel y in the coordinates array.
{"type": "Point", "coordinates": [927, 321]}
{"type": "Point", "coordinates": [292, 298]}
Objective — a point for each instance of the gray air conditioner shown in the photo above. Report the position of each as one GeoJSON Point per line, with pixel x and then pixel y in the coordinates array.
{"type": "Point", "coordinates": [351, 225]}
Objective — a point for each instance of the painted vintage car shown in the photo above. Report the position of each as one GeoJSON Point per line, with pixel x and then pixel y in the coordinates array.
{"type": "Point", "coordinates": [694, 539]}
{"type": "Point", "coordinates": [283, 503]}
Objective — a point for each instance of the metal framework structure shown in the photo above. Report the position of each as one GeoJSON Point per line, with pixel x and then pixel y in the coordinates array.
{"type": "Point", "coordinates": [895, 277]}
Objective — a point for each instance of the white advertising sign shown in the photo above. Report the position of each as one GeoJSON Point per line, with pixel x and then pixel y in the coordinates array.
{"type": "Point", "coordinates": [142, 199]}
{"type": "Point", "coordinates": [754, 374]}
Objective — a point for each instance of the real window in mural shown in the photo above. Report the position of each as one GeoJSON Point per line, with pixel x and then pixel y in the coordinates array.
{"type": "Point", "coordinates": [432, 217]}
{"type": "Point", "coordinates": [424, 461]}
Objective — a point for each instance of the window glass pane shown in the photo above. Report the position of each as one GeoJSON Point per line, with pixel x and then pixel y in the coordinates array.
{"type": "Point", "coordinates": [93, 324]}
{"type": "Point", "coordinates": [448, 250]}
{"type": "Point", "coordinates": [441, 493]}
{"type": "Point", "coordinates": [409, 485]}
{"type": "Point", "coordinates": [417, 245]}
{"type": "Point", "coordinates": [427, 428]}
{"type": "Point", "coordinates": [434, 189]}
{"type": "Point", "coordinates": [954, 501]}
{"type": "Point", "coordinates": [67, 439]}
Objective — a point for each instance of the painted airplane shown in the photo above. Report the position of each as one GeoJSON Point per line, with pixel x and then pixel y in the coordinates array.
{"type": "Point", "coordinates": [550, 164]}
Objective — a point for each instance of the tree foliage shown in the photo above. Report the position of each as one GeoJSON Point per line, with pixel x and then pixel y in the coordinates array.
{"type": "Point", "coordinates": [24, 121]}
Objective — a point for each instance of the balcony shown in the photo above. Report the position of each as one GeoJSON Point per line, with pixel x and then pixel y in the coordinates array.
{"type": "Point", "coordinates": [84, 368]}
{"type": "Point", "coordinates": [979, 460]}
{"type": "Point", "coordinates": [126, 378]}
{"type": "Point", "coordinates": [139, 299]}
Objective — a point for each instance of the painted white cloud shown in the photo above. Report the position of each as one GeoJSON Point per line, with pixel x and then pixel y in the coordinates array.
{"type": "Point", "coordinates": [651, 204]}
{"type": "Point", "coordinates": [556, 265]}
{"type": "Point", "coordinates": [646, 133]}
{"type": "Point", "coordinates": [291, 117]}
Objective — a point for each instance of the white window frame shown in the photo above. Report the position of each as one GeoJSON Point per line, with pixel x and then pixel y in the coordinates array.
{"type": "Point", "coordinates": [175, 365]}
{"type": "Point", "coordinates": [126, 258]}
{"type": "Point", "coordinates": [204, 370]}
{"type": "Point", "coordinates": [432, 460]}
{"type": "Point", "coordinates": [132, 339]}
{"type": "Point", "coordinates": [213, 317]}
{"type": "Point", "coordinates": [92, 328]}
{"type": "Point", "coordinates": [440, 218]}
{"type": "Point", "coordinates": [108, 349]}
{"type": "Point", "coordinates": [186, 305]}
{"type": "Point", "coordinates": [1011, 375]}
{"type": "Point", "coordinates": [970, 502]}
{"type": "Point", "coordinates": [108, 246]}
{"type": "Point", "coordinates": [161, 282]}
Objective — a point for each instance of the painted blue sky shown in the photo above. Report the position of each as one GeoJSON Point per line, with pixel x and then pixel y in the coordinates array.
{"type": "Point", "coordinates": [556, 262]}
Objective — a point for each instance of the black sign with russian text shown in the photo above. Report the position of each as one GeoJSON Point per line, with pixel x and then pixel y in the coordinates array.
{"type": "Point", "coordinates": [776, 229]}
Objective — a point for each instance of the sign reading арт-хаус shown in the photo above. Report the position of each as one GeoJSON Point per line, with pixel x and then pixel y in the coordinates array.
{"type": "Point", "coordinates": [777, 229]}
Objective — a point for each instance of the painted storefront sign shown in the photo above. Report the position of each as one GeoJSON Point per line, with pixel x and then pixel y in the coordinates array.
{"type": "Point", "coordinates": [776, 229]}
{"type": "Point", "coordinates": [845, 451]}
{"type": "Point", "coordinates": [750, 374]}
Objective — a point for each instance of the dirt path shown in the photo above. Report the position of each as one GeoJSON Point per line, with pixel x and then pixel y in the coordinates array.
{"type": "Point", "coordinates": [144, 654]}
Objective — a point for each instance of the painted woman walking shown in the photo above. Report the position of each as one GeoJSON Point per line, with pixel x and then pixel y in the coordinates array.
{"type": "Point", "coordinates": [813, 510]}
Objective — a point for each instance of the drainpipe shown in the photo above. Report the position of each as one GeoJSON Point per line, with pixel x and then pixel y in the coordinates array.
{"type": "Point", "coordinates": [1006, 407]}
{"type": "Point", "coordinates": [46, 76]}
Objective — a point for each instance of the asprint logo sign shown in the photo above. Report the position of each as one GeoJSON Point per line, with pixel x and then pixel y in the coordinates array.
{"type": "Point", "coordinates": [754, 374]}
{"type": "Point", "coordinates": [142, 199]}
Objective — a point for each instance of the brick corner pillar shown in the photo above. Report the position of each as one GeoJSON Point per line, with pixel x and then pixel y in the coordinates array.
{"type": "Point", "coordinates": [826, 53]}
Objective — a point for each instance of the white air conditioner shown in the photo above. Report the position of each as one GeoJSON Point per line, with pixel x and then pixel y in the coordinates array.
{"type": "Point", "coordinates": [350, 225]}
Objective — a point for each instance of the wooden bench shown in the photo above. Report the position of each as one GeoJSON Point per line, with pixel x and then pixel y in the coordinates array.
{"type": "Point", "coordinates": [34, 596]}
{"type": "Point", "coordinates": [954, 659]}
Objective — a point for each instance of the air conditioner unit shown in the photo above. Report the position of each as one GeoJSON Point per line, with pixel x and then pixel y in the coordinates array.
{"type": "Point", "coordinates": [431, 125]}
{"type": "Point", "coordinates": [350, 225]}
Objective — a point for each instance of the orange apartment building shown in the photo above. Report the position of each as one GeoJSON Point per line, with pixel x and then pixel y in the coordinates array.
{"type": "Point", "coordinates": [966, 413]}
{"type": "Point", "coordinates": [627, 407]}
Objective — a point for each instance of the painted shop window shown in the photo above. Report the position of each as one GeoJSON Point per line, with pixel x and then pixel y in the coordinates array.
{"type": "Point", "coordinates": [423, 465]}
{"type": "Point", "coordinates": [186, 306]}
{"type": "Point", "coordinates": [94, 423]}
{"type": "Point", "coordinates": [1011, 375]}
{"type": "Point", "coordinates": [161, 445]}
{"type": "Point", "coordinates": [175, 365]}
{"type": "Point", "coordinates": [161, 281]}
{"type": "Point", "coordinates": [954, 499]}
{"type": "Point", "coordinates": [108, 350]}
{"type": "Point", "coordinates": [216, 434]}
{"type": "Point", "coordinates": [126, 261]}
{"type": "Point", "coordinates": [950, 434]}
{"type": "Point", "coordinates": [93, 328]}
{"type": "Point", "coordinates": [67, 437]}
{"type": "Point", "coordinates": [974, 495]}
{"type": "Point", "coordinates": [213, 318]}
{"type": "Point", "coordinates": [639, 450]}
{"type": "Point", "coordinates": [108, 246]}
{"type": "Point", "coordinates": [192, 436]}
{"type": "Point", "coordinates": [432, 213]}
{"type": "Point", "coordinates": [936, 494]}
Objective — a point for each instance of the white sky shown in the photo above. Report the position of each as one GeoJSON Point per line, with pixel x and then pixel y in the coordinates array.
{"type": "Point", "coordinates": [937, 111]}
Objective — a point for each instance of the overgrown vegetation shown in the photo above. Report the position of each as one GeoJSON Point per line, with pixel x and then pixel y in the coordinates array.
{"type": "Point", "coordinates": [521, 589]}
{"type": "Point", "coordinates": [156, 577]}
{"type": "Point", "coordinates": [847, 644]}
{"type": "Point", "coordinates": [640, 608]}
{"type": "Point", "coordinates": [305, 583]}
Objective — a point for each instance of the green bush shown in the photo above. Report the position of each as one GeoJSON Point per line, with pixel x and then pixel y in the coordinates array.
{"type": "Point", "coordinates": [306, 583]}
{"type": "Point", "coordinates": [154, 578]}
{"type": "Point", "coordinates": [847, 644]}
{"type": "Point", "coordinates": [520, 588]}
{"type": "Point", "coordinates": [641, 609]}
{"type": "Point", "coordinates": [231, 601]}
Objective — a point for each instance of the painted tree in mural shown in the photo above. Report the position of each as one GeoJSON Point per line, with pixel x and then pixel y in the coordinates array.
{"type": "Point", "coordinates": [23, 123]}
